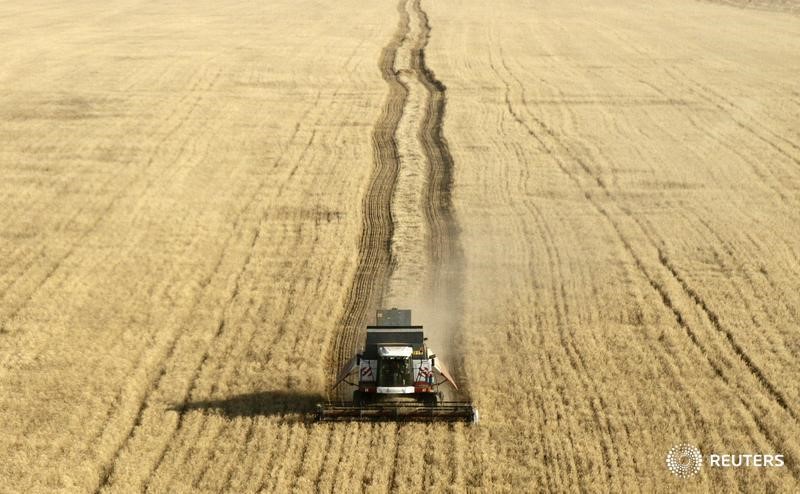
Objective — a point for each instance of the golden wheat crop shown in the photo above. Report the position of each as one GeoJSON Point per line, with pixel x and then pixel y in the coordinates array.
{"type": "Point", "coordinates": [592, 206]}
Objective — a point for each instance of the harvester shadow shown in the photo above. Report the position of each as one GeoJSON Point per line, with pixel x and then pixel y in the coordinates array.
{"type": "Point", "coordinates": [267, 403]}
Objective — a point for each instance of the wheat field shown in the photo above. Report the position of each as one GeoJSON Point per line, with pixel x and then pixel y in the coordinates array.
{"type": "Point", "coordinates": [593, 207]}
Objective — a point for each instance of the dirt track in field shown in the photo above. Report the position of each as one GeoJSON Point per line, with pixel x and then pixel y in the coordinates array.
{"type": "Point", "coordinates": [592, 207]}
{"type": "Point", "coordinates": [409, 254]}
{"type": "Point", "coordinates": [375, 248]}
{"type": "Point", "coordinates": [789, 6]}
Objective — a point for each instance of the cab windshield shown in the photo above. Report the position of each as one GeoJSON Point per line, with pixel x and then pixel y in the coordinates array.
{"type": "Point", "coordinates": [395, 372]}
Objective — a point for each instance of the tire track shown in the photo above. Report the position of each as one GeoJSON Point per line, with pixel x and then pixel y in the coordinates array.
{"type": "Point", "coordinates": [227, 484]}
{"type": "Point", "coordinates": [713, 98]}
{"type": "Point", "coordinates": [561, 307]}
{"type": "Point", "coordinates": [350, 448]}
{"type": "Point", "coordinates": [137, 177]}
{"type": "Point", "coordinates": [444, 246]}
{"type": "Point", "coordinates": [374, 251]}
{"type": "Point", "coordinates": [593, 177]}
{"type": "Point", "coordinates": [109, 466]}
{"type": "Point", "coordinates": [445, 252]}
{"type": "Point", "coordinates": [281, 442]}
{"type": "Point", "coordinates": [109, 469]}
{"type": "Point", "coordinates": [737, 348]}
{"type": "Point", "coordinates": [230, 348]}
{"type": "Point", "coordinates": [331, 450]}
{"type": "Point", "coordinates": [594, 180]}
{"type": "Point", "coordinates": [377, 261]}
{"type": "Point", "coordinates": [392, 483]}
{"type": "Point", "coordinates": [374, 265]}
{"type": "Point", "coordinates": [784, 7]}
{"type": "Point", "coordinates": [779, 294]}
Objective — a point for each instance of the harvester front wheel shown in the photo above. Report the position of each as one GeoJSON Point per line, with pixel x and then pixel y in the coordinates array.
{"type": "Point", "coordinates": [360, 398]}
{"type": "Point", "coordinates": [431, 400]}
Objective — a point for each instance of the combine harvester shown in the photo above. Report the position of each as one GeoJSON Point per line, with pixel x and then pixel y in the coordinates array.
{"type": "Point", "coordinates": [396, 378]}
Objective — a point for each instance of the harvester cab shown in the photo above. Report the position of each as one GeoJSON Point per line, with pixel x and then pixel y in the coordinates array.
{"type": "Point", "coordinates": [398, 377]}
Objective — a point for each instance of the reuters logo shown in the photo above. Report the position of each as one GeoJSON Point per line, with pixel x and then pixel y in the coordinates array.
{"type": "Point", "coordinates": [684, 460]}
